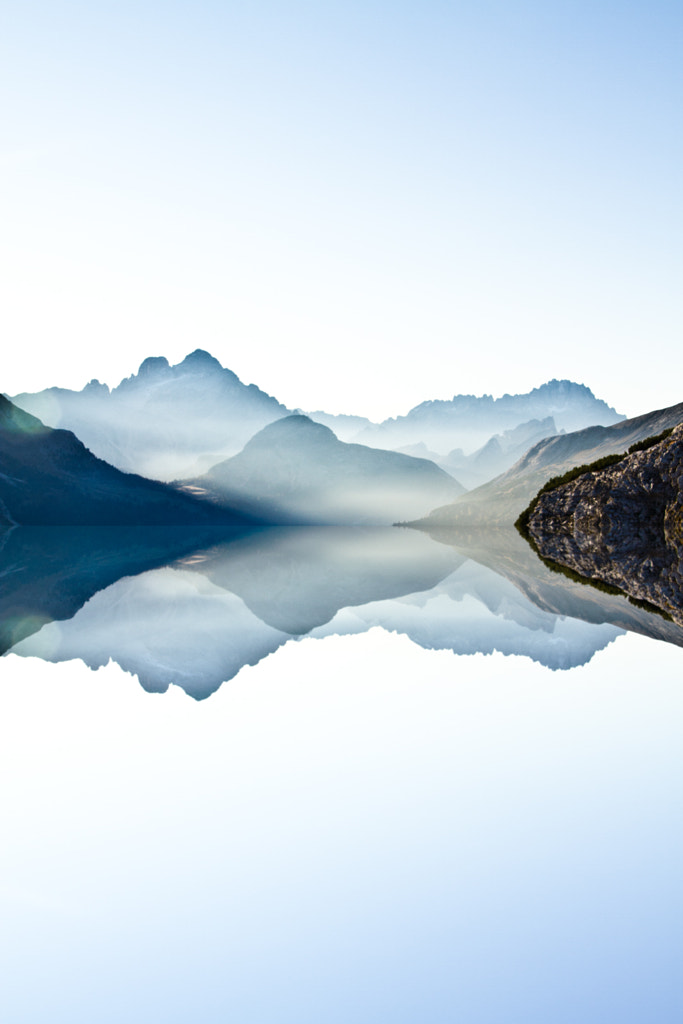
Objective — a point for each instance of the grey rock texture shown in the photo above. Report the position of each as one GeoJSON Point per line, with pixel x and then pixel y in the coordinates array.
{"type": "Point", "coordinates": [622, 525]}
{"type": "Point", "coordinates": [501, 500]}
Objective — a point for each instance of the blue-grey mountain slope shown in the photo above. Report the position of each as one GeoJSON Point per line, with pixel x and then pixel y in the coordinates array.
{"type": "Point", "coordinates": [503, 499]}
{"type": "Point", "coordinates": [164, 422]}
{"type": "Point", "coordinates": [297, 471]}
{"type": "Point", "coordinates": [49, 478]}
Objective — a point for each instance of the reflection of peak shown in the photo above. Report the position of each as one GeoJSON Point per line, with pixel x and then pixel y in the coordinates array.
{"type": "Point", "coordinates": [224, 606]}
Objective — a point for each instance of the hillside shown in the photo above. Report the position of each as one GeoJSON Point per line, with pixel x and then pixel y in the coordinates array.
{"type": "Point", "coordinates": [48, 478]}
{"type": "Point", "coordinates": [297, 471]}
{"type": "Point", "coordinates": [503, 499]}
{"type": "Point", "coordinates": [163, 422]}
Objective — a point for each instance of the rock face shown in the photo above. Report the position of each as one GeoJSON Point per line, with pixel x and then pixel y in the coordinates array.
{"type": "Point", "coordinates": [501, 500]}
{"type": "Point", "coordinates": [622, 525]}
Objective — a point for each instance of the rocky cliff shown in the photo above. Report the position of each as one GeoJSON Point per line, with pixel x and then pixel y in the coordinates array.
{"type": "Point", "coordinates": [621, 525]}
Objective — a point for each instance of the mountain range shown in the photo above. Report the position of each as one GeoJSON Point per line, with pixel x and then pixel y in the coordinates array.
{"type": "Point", "coordinates": [245, 457]}
{"type": "Point", "coordinates": [472, 419]}
{"type": "Point", "coordinates": [186, 579]}
{"type": "Point", "coordinates": [165, 422]}
{"type": "Point", "coordinates": [176, 422]}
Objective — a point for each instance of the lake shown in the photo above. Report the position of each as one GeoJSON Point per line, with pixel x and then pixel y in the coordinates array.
{"type": "Point", "coordinates": [356, 775]}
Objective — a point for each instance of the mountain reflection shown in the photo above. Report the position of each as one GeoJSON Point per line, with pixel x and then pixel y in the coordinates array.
{"type": "Point", "coordinates": [191, 608]}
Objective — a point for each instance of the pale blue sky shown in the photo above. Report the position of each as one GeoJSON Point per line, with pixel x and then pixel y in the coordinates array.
{"type": "Point", "coordinates": [445, 840]}
{"type": "Point", "coordinates": [356, 206]}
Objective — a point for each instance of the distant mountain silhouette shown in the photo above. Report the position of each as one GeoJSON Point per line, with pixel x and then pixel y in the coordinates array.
{"type": "Point", "coordinates": [499, 453]}
{"type": "Point", "coordinates": [468, 421]}
{"type": "Point", "coordinates": [165, 421]}
{"type": "Point", "coordinates": [297, 471]}
{"type": "Point", "coordinates": [502, 499]}
{"type": "Point", "coordinates": [170, 422]}
{"type": "Point", "coordinates": [48, 477]}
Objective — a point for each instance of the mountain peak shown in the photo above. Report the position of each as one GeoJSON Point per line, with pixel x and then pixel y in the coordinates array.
{"type": "Point", "coordinates": [200, 360]}
{"type": "Point", "coordinates": [152, 365]}
{"type": "Point", "coordinates": [292, 429]}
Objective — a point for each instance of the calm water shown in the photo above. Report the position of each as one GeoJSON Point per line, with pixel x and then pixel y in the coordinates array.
{"type": "Point", "coordinates": [427, 790]}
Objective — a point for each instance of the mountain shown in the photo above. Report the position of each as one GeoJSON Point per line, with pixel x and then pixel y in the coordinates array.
{"type": "Point", "coordinates": [171, 422]}
{"type": "Point", "coordinates": [621, 525]}
{"type": "Point", "coordinates": [297, 471]}
{"type": "Point", "coordinates": [48, 477]}
{"type": "Point", "coordinates": [503, 499]}
{"type": "Point", "coordinates": [468, 421]}
{"type": "Point", "coordinates": [164, 422]}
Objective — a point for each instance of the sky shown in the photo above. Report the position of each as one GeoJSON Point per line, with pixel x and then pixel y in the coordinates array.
{"type": "Point", "coordinates": [476, 840]}
{"type": "Point", "coordinates": [357, 206]}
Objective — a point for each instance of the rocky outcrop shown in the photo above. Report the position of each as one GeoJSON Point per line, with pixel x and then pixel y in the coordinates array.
{"type": "Point", "coordinates": [621, 525]}
{"type": "Point", "coordinates": [501, 500]}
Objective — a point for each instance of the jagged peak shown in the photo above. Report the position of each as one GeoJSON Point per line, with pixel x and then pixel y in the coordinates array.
{"type": "Point", "coordinates": [563, 386]}
{"type": "Point", "coordinates": [152, 365]}
{"type": "Point", "coordinates": [94, 386]}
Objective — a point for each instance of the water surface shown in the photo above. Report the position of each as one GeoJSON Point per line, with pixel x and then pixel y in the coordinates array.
{"type": "Point", "coordinates": [372, 814]}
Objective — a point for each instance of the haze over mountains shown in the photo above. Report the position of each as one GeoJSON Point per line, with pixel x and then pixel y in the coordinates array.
{"type": "Point", "coordinates": [221, 567]}
{"type": "Point", "coordinates": [297, 471]}
{"type": "Point", "coordinates": [165, 422]}
{"type": "Point", "coordinates": [176, 422]}
{"type": "Point", "coordinates": [48, 477]}
{"type": "Point", "coordinates": [502, 499]}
